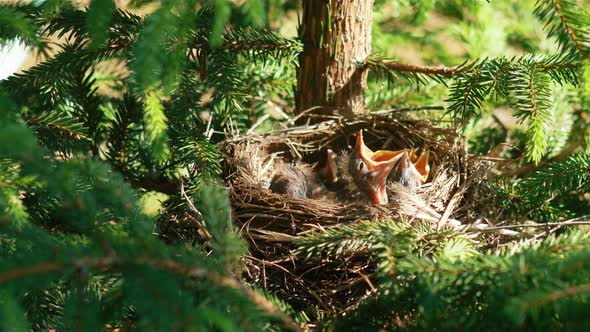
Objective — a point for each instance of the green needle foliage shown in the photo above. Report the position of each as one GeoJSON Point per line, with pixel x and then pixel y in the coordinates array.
{"type": "Point", "coordinates": [567, 23]}
{"type": "Point", "coordinates": [90, 254]}
{"type": "Point", "coordinates": [444, 283]}
{"type": "Point", "coordinates": [111, 139]}
{"type": "Point", "coordinates": [97, 25]}
{"type": "Point", "coordinates": [525, 83]}
{"type": "Point", "coordinates": [77, 250]}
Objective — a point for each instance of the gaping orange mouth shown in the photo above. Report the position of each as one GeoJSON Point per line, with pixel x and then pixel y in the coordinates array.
{"type": "Point", "coordinates": [378, 159]}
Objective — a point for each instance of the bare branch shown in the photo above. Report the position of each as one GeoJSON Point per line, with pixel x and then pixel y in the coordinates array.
{"type": "Point", "coordinates": [427, 70]}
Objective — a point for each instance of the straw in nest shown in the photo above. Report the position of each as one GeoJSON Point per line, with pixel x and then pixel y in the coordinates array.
{"type": "Point", "coordinates": [272, 222]}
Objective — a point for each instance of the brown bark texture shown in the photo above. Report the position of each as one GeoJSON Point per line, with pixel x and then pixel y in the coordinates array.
{"type": "Point", "coordinates": [337, 40]}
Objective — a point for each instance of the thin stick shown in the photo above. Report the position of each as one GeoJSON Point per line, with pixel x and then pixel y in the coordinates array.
{"type": "Point", "coordinates": [303, 113]}
{"type": "Point", "coordinates": [258, 123]}
{"type": "Point", "coordinates": [188, 200]}
{"type": "Point", "coordinates": [408, 109]}
{"type": "Point", "coordinates": [428, 70]}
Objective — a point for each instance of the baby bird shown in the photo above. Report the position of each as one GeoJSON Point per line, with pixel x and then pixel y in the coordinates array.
{"type": "Point", "coordinates": [369, 170]}
{"type": "Point", "coordinates": [414, 171]}
{"type": "Point", "coordinates": [363, 170]}
{"type": "Point", "coordinates": [292, 180]}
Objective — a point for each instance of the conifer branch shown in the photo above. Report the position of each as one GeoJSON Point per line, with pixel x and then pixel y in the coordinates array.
{"type": "Point", "coordinates": [346, 239]}
{"type": "Point", "coordinates": [531, 97]}
{"type": "Point", "coordinates": [556, 295]}
{"type": "Point", "coordinates": [570, 149]}
{"type": "Point", "coordinates": [539, 225]}
{"type": "Point", "coordinates": [571, 174]}
{"type": "Point", "coordinates": [108, 263]}
{"type": "Point", "coordinates": [467, 94]}
{"type": "Point", "coordinates": [256, 40]}
{"type": "Point", "coordinates": [64, 124]}
{"type": "Point", "coordinates": [568, 26]}
{"type": "Point", "coordinates": [392, 70]}
{"type": "Point", "coordinates": [562, 68]}
{"type": "Point", "coordinates": [192, 71]}
{"type": "Point", "coordinates": [165, 185]}
{"type": "Point", "coordinates": [426, 70]}
{"type": "Point", "coordinates": [16, 23]}
{"type": "Point", "coordinates": [567, 21]}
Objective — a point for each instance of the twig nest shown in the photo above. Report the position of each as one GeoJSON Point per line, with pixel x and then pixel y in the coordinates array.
{"type": "Point", "coordinates": [273, 221]}
{"type": "Point", "coordinates": [250, 162]}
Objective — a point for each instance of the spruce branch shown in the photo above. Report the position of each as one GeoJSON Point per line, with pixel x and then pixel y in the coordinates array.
{"type": "Point", "coordinates": [563, 67]}
{"type": "Point", "coordinates": [61, 122]}
{"type": "Point", "coordinates": [123, 26]}
{"type": "Point", "coordinates": [98, 20]}
{"type": "Point", "coordinates": [376, 63]}
{"type": "Point", "coordinates": [565, 153]}
{"type": "Point", "coordinates": [388, 239]}
{"type": "Point", "coordinates": [261, 42]}
{"type": "Point", "coordinates": [111, 263]}
{"type": "Point", "coordinates": [85, 189]}
{"type": "Point", "coordinates": [152, 182]}
{"type": "Point", "coordinates": [229, 94]}
{"type": "Point", "coordinates": [481, 285]}
{"type": "Point", "coordinates": [222, 15]}
{"type": "Point", "coordinates": [474, 81]}
{"type": "Point", "coordinates": [568, 23]}
{"type": "Point", "coordinates": [553, 246]}
{"type": "Point", "coordinates": [121, 130]}
{"type": "Point", "coordinates": [556, 295]}
{"type": "Point", "coordinates": [571, 174]}
{"type": "Point", "coordinates": [251, 41]}
{"type": "Point", "coordinates": [531, 96]}
{"type": "Point", "coordinates": [155, 123]}
{"type": "Point", "coordinates": [467, 94]}
{"type": "Point", "coordinates": [200, 156]}
{"type": "Point", "coordinates": [56, 74]}
{"type": "Point", "coordinates": [14, 24]}
{"type": "Point", "coordinates": [536, 225]}
{"type": "Point", "coordinates": [346, 239]}
{"type": "Point", "coordinates": [392, 70]}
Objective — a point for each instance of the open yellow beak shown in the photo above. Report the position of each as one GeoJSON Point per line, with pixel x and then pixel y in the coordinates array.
{"type": "Point", "coordinates": [422, 166]}
{"type": "Point", "coordinates": [379, 159]}
{"type": "Point", "coordinates": [415, 170]}
{"type": "Point", "coordinates": [379, 165]}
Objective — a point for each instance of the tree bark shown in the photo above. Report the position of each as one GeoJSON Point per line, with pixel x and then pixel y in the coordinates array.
{"type": "Point", "coordinates": [337, 40]}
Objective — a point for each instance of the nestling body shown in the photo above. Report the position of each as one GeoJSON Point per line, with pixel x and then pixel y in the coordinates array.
{"type": "Point", "coordinates": [363, 170]}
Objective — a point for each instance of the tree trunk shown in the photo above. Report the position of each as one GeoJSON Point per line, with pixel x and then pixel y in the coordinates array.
{"type": "Point", "coordinates": [337, 41]}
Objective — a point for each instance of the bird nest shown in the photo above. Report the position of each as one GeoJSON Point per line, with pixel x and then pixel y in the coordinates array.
{"type": "Point", "coordinates": [272, 222]}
